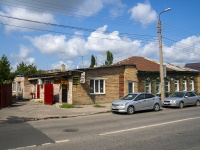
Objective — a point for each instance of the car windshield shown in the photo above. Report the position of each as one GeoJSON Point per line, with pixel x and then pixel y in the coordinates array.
{"type": "Point", "coordinates": [129, 97]}
{"type": "Point", "coordinates": [177, 94]}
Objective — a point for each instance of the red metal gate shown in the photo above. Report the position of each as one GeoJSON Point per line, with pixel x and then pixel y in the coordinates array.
{"type": "Point", "coordinates": [5, 95]}
{"type": "Point", "coordinates": [48, 94]}
{"type": "Point", "coordinates": [38, 91]}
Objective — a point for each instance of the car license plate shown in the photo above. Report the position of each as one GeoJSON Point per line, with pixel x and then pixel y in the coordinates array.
{"type": "Point", "coordinates": [166, 103]}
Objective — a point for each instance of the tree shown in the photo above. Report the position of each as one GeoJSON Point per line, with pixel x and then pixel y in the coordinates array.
{"type": "Point", "coordinates": [93, 61]}
{"type": "Point", "coordinates": [23, 68]}
{"type": "Point", "coordinates": [109, 59]}
{"type": "Point", "coordinates": [5, 75]}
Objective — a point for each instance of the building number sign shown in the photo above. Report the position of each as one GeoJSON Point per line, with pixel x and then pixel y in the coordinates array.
{"type": "Point", "coordinates": [76, 80]}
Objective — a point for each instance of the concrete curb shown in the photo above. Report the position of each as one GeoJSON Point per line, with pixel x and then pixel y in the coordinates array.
{"type": "Point", "coordinates": [24, 119]}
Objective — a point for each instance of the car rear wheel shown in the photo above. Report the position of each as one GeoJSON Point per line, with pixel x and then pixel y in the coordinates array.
{"type": "Point", "coordinates": [130, 110]}
{"type": "Point", "coordinates": [197, 103]}
{"type": "Point", "coordinates": [181, 105]}
{"type": "Point", "coordinates": [156, 107]}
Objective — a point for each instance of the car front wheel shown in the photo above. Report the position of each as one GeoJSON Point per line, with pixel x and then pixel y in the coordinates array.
{"type": "Point", "coordinates": [130, 110]}
{"type": "Point", "coordinates": [181, 105]}
{"type": "Point", "coordinates": [156, 107]}
{"type": "Point", "coordinates": [197, 103]}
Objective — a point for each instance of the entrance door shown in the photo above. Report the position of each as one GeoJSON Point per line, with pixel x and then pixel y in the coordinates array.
{"type": "Point", "coordinates": [64, 93]}
{"type": "Point", "coordinates": [38, 91]}
{"type": "Point", "coordinates": [130, 87]}
{"type": "Point", "coordinates": [48, 94]}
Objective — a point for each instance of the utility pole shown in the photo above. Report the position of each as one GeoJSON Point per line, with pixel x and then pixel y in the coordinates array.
{"type": "Point", "coordinates": [162, 81]}
{"type": "Point", "coordinates": [82, 61]}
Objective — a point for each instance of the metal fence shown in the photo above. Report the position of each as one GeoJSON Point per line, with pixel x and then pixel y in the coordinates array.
{"type": "Point", "coordinates": [5, 95]}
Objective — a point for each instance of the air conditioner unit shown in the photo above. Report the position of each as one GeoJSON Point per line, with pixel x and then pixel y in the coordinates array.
{"type": "Point", "coordinates": [39, 81]}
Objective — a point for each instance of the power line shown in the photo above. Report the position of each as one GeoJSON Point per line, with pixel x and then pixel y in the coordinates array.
{"type": "Point", "coordinates": [143, 37]}
{"type": "Point", "coordinates": [81, 15]}
{"type": "Point", "coordinates": [180, 47]}
{"type": "Point", "coordinates": [72, 27]}
{"type": "Point", "coordinates": [65, 33]}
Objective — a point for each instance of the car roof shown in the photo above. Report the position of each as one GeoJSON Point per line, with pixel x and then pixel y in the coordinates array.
{"type": "Point", "coordinates": [185, 91]}
{"type": "Point", "coordinates": [140, 93]}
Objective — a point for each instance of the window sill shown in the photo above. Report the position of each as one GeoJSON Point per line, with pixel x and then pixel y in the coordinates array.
{"type": "Point", "coordinates": [97, 93]}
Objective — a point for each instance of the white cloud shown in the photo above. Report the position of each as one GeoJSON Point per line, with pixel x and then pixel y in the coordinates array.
{"type": "Point", "coordinates": [185, 51]}
{"type": "Point", "coordinates": [143, 13]}
{"type": "Point", "coordinates": [99, 41]}
{"type": "Point", "coordinates": [48, 43]}
{"type": "Point", "coordinates": [121, 47]}
{"type": "Point", "coordinates": [24, 14]}
{"type": "Point", "coordinates": [68, 65]}
{"type": "Point", "coordinates": [23, 55]}
{"type": "Point", "coordinates": [150, 50]}
{"type": "Point", "coordinates": [56, 44]}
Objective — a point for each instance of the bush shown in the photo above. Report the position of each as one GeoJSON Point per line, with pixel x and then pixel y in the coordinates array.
{"type": "Point", "coordinates": [67, 106]}
{"type": "Point", "coordinates": [97, 105]}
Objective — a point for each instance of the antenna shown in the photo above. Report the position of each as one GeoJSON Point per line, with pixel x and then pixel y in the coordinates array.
{"type": "Point", "coordinates": [82, 61]}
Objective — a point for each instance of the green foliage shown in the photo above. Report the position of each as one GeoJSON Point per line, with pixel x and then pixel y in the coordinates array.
{"type": "Point", "coordinates": [109, 59]}
{"type": "Point", "coordinates": [5, 75]}
{"type": "Point", "coordinates": [23, 68]}
{"type": "Point", "coordinates": [93, 61]}
{"type": "Point", "coordinates": [67, 106]}
{"type": "Point", "coordinates": [97, 105]}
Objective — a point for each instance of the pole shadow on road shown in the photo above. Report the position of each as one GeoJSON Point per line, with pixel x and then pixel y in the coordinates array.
{"type": "Point", "coordinates": [16, 132]}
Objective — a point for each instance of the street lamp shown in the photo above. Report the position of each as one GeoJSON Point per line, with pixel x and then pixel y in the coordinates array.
{"type": "Point", "coordinates": [162, 84]}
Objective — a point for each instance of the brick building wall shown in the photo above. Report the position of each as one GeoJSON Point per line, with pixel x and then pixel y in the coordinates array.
{"type": "Point", "coordinates": [197, 83]}
{"type": "Point", "coordinates": [81, 93]}
{"type": "Point", "coordinates": [171, 79]}
{"type": "Point", "coordinates": [23, 87]}
{"type": "Point", "coordinates": [130, 76]}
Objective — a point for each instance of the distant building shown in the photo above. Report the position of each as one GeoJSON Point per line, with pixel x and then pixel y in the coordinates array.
{"type": "Point", "coordinates": [195, 66]}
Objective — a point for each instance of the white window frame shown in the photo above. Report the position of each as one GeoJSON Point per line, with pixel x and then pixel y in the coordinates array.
{"type": "Point", "coordinates": [192, 85]}
{"type": "Point", "coordinates": [167, 86]}
{"type": "Point", "coordinates": [96, 88]}
{"type": "Point", "coordinates": [18, 86]}
{"type": "Point", "coordinates": [176, 85]}
{"type": "Point", "coordinates": [148, 85]}
{"type": "Point", "coordinates": [14, 86]}
{"type": "Point", "coordinates": [184, 85]}
{"type": "Point", "coordinates": [157, 87]}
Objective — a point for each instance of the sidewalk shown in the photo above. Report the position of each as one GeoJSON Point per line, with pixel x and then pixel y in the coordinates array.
{"type": "Point", "coordinates": [32, 111]}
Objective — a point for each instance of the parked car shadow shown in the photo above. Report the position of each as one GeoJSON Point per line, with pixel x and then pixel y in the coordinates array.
{"type": "Point", "coordinates": [168, 107]}
{"type": "Point", "coordinates": [14, 119]}
{"type": "Point", "coordinates": [137, 112]}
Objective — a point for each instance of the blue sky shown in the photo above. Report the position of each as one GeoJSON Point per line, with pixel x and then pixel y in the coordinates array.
{"type": "Point", "coordinates": [47, 33]}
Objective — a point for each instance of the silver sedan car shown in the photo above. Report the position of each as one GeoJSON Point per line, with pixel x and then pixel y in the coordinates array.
{"type": "Point", "coordinates": [136, 102]}
{"type": "Point", "coordinates": [181, 99]}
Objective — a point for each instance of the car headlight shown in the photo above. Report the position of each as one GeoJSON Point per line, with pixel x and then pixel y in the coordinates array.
{"type": "Point", "coordinates": [173, 101]}
{"type": "Point", "coordinates": [123, 104]}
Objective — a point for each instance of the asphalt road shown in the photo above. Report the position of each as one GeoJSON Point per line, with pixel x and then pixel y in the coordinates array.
{"type": "Point", "coordinates": [167, 129]}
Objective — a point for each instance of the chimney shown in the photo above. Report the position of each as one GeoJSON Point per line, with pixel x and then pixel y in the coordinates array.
{"type": "Point", "coordinates": [62, 67]}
